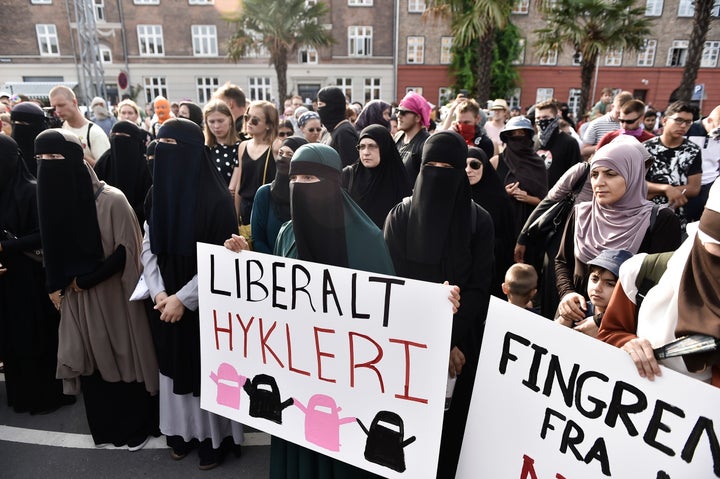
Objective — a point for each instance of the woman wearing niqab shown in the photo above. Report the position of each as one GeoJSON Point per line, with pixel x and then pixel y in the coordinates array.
{"type": "Point", "coordinates": [91, 244]}
{"type": "Point", "coordinates": [377, 189]}
{"type": "Point", "coordinates": [28, 121]}
{"type": "Point", "coordinates": [189, 204]}
{"type": "Point", "coordinates": [438, 234]}
{"type": "Point", "coordinates": [124, 165]}
{"type": "Point", "coordinates": [375, 112]}
{"type": "Point", "coordinates": [327, 227]}
{"type": "Point", "coordinates": [28, 320]}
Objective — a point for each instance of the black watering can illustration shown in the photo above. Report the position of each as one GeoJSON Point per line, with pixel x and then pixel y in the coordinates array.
{"type": "Point", "coordinates": [385, 443]}
{"type": "Point", "coordinates": [265, 398]}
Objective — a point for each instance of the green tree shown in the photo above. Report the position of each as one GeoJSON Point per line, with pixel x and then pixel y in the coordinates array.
{"type": "Point", "coordinates": [473, 24]}
{"type": "Point", "coordinates": [591, 27]}
{"type": "Point", "coordinates": [281, 27]}
{"type": "Point", "coordinates": [504, 75]}
{"type": "Point", "coordinates": [696, 45]}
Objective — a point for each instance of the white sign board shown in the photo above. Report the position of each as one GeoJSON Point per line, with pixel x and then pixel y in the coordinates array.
{"type": "Point", "coordinates": [348, 363]}
{"type": "Point", "coordinates": [552, 403]}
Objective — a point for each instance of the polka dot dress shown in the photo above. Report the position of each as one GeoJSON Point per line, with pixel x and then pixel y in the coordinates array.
{"type": "Point", "coordinates": [225, 159]}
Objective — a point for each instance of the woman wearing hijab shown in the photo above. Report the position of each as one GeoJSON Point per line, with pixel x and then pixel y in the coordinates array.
{"type": "Point", "coordinates": [343, 135]}
{"type": "Point", "coordinates": [28, 121]}
{"type": "Point", "coordinates": [91, 246]}
{"type": "Point", "coordinates": [191, 111]}
{"type": "Point", "coordinates": [487, 191]}
{"type": "Point", "coordinates": [521, 170]}
{"type": "Point", "coordinates": [327, 227]}
{"type": "Point", "coordinates": [271, 208]}
{"type": "Point", "coordinates": [618, 217]}
{"type": "Point", "coordinates": [189, 204]}
{"type": "Point", "coordinates": [375, 112]}
{"type": "Point", "coordinates": [28, 320]}
{"type": "Point", "coordinates": [439, 234]}
{"type": "Point", "coordinates": [379, 180]}
{"type": "Point", "coordinates": [310, 126]}
{"type": "Point", "coordinates": [124, 165]}
{"type": "Point", "coordinates": [222, 139]}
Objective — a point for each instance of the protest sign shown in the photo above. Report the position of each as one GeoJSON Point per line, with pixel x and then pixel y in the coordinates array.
{"type": "Point", "coordinates": [552, 403]}
{"type": "Point", "coordinates": [348, 363]}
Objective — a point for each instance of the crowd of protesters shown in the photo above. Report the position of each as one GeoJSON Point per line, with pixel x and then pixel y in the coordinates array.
{"type": "Point", "coordinates": [452, 194]}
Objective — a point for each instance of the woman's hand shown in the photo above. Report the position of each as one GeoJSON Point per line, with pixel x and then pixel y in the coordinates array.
{"type": "Point", "coordinates": [641, 352]}
{"type": "Point", "coordinates": [171, 309]}
{"type": "Point", "coordinates": [572, 307]}
{"type": "Point", "coordinates": [237, 243]}
{"type": "Point", "coordinates": [519, 253]}
{"type": "Point", "coordinates": [457, 361]}
{"type": "Point", "coordinates": [56, 297]}
{"type": "Point", "coordinates": [454, 296]}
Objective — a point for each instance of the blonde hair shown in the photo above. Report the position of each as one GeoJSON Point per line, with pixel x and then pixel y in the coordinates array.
{"type": "Point", "coordinates": [272, 118]}
{"type": "Point", "coordinates": [131, 104]}
{"type": "Point", "coordinates": [218, 106]}
{"type": "Point", "coordinates": [62, 90]}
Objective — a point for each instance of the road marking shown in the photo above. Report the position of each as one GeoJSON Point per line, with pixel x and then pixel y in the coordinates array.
{"type": "Point", "coordinates": [84, 441]}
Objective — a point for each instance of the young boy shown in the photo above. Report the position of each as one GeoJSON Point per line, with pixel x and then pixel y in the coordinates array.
{"type": "Point", "coordinates": [602, 276]}
{"type": "Point", "coordinates": [521, 285]}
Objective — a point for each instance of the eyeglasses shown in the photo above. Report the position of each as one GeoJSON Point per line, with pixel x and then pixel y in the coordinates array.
{"type": "Point", "coordinates": [404, 112]}
{"type": "Point", "coordinates": [475, 164]}
{"type": "Point", "coordinates": [254, 121]}
{"type": "Point", "coordinates": [314, 130]}
{"type": "Point", "coordinates": [284, 133]}
{"type": "Point", "coordinates": [628, 120]}
{"type": "Point", "coordinates": [368, 146]}
{"type": "Point", "coordinates": [680, 121]}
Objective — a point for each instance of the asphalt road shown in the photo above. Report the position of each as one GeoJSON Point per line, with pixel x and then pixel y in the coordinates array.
{"type": "Point", "coordinates": [59, 445]}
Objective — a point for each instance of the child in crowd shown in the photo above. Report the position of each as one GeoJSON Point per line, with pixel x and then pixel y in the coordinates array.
{"type": "Point", "coordinates": [603, 274]}
{"type": "Point", "coordinates": [521, 285]}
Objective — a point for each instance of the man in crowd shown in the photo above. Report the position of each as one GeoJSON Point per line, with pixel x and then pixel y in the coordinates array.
{"type": "Point", "coordinates": [705, 133]}
{"type": "Point", "coordinates": [500, 111]}
{"type": "Point", "coordinates": [631, 119]}
{"type": "Point", "coordinates": [605, 124]}
{"type": "Point", "coordinates": [413, 118]}
{"type": "Point", "coordinates": [560, 151]}
{"type": "Point", "coordinates": [234, 97]}
{"type": "Point", "coordinates": [93, 139]}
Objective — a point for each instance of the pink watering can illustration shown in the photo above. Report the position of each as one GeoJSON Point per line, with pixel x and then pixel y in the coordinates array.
{"type": "Point", "coordinates": [229, 385]}
{"type": "Point", "coordinates": [322, 421]}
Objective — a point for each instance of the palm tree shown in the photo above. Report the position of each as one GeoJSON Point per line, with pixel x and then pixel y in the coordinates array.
{"type": "Point", "coordinates": [591, 27]}
{"type": "Point", "coordinates": [473, 24]}
{"type": "Point", "coordinates": [696, 45]}
{"type": "Point", "coordinates": [280, 27]}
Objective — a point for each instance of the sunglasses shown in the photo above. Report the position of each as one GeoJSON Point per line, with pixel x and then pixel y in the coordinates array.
{"type": "Point", "coordinates": [284, 133]}
{"type": "Point", "coordinates": [404, 112]}
{"type": "Point", "coordinates": [314, 130]}
{"type": "Point", "coordinates": [628, 120]}
{"type": "Point", "coordinates": [475, 164]}
{"type": "Point", "coordinates": [254, 121]}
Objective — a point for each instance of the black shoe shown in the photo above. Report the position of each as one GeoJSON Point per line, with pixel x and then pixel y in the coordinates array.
{"type": "Point", "coordinates": [210, 458]}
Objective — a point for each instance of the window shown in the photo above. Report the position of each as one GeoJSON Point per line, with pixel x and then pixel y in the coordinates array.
{"type": "Point", "coordinates": [686, 8]}
{"type": "Point", "coordinates": [678, 53]}
{"type": "Point", "coordinates": [416, 6]}
{"type": "Point", "coordinates": [372, 89]}
{"type": "Point", "coordinates": [550, 58]}
{"type": "Point", "coordinates": [710, 54]}
{"type": "Point", "coordinates": [360, 3]}
{"type": "Point", "coordinates": [521, 7]}
{"type": "Point", "coordinates": [205, 87]}
{"type": "Point", "coordinates": [105, 54]}
{"type": "Point", "coordinates": [415, 50]}
{"type": "Point", "coordinates": [41, 2]}
{"type": "Point", "coordinates": [613, 57]}
{"type": "Point", "coordinates": [99, 8]}
{"type": "Point", "coordinates": [346, 85]}
{"type": "Point", "coordinates": [258, 50]}
{"type": "Point", "coordinates": [574, 101]}
{"type": "Point", "coordinates": [514, 98]}
{"type": "Point", "coordinates": [715, 12]}
{"type": "Point", "coordinates": [360, 41]}
{"type": "Point", "coordinates": [47, 39]}
{"type": "Point", "coordinates": [154, 87]}
{"type": "Point", "coordinates": [416, 89]}
{"type": "Point", "coordinates": [201, 2]}
{"type": "Point", "coordinates": [259, 88]}
{"type": "Point", "coordinates": [150, 40]}
{"type": "Point", "coordinates": [307, 55]}
{"type": "Point", "coordinates": [544, 94]}
{"type": "Point", "coordinates": [653, 8]}
{"type": "Point", "coordinates": [310, 3]}
{"type": "Point", "coordinates": [521, 53]}
{"type": "Point", "coordinates": [204, 39]}
{"type": "Point", "coordinates": [444, 95]}
{"type": "Point", "coordinates": [146, 2]}
{"type": "Point", "coordinates": [446, 50]}
{"type": "Point", "coordinates": [646, 55]}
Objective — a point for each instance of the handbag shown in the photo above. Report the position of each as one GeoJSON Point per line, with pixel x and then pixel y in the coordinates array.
{"type": "Point", "coordinates": [549, 217]}
{"type": "Point", "coordinates": [35, 255]}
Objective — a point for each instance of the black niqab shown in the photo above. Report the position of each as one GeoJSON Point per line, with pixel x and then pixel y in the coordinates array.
{"type": "Point", "coordinates": [14, 180]}
{"type": "Point", "coordinates": [280, 186]}
{"type": "Point", "coordinates": [25, 134]}
{"type": "Point", "coordinates": [333, 112]}
{"type": "Point", "coordinates": [525, 166]}
{"type": "Point", "coordinates": [66, 208]}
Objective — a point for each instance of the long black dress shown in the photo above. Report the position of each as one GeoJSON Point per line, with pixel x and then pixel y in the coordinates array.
{"type": "Point", "coordinates": [28, 320]}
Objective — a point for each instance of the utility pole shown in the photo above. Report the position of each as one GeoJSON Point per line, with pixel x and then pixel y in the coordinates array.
{"type": "Point", "coordinates": [92, 75]}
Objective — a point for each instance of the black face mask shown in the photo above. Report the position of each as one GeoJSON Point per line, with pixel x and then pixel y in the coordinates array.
{"type": "Point", "coordinates": [544, 123]}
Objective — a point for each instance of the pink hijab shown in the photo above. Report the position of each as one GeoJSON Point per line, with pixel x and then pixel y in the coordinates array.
{"type": "Point", "coordinates": [623, 224]}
